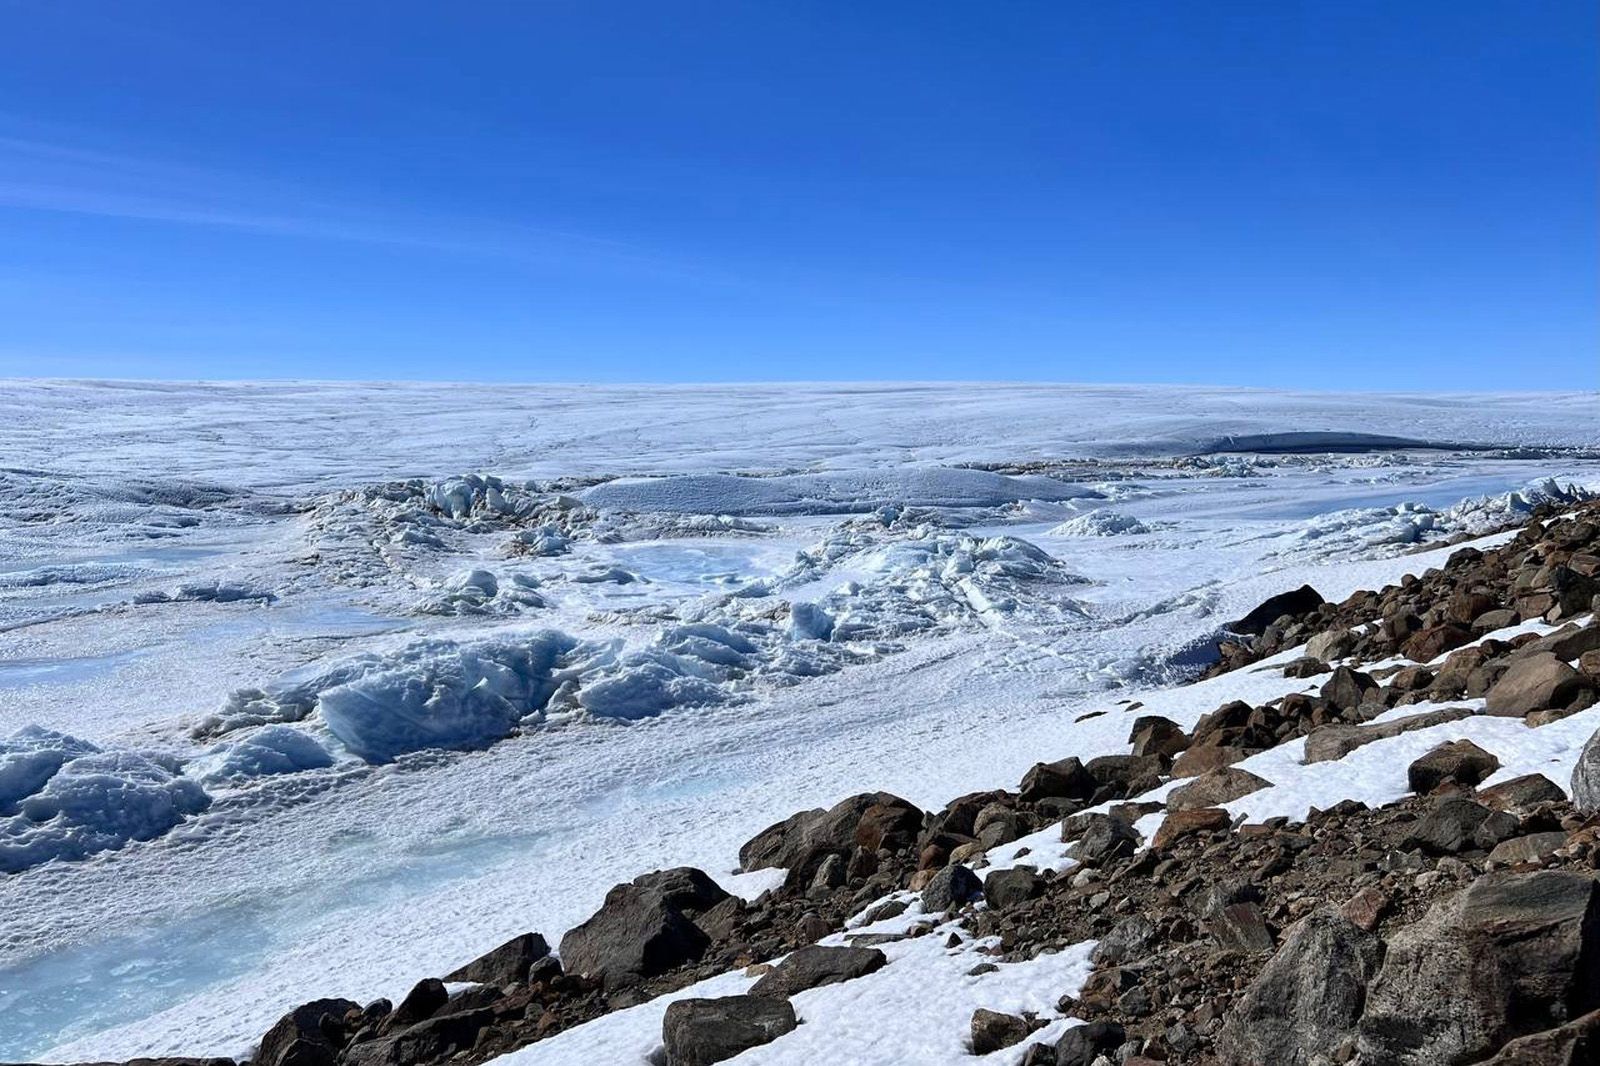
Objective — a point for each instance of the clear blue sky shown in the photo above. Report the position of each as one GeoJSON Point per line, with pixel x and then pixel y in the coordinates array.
{"type": "Point", "coordinates": [1330, 194]}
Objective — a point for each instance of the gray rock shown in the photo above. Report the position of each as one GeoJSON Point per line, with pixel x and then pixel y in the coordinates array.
{"type": "Point", "coordinates": [1104, 838]}
{"type": "Point", "coordinates": [430, 1040]}
{"type": "Point", "coordinates": [1331, 644]}
{"type": "Point", "coordinates": [1347, 688]}
{"type": "Point", "coordinates": [1128, 942]}
{"type": "Point", "coordinates": [1005, 889]}
{"type": "Point", "coordinates": [1511, 955]}
{"type": "Point", "coordinates": [1586, 776]}
{"type": "Point", "coordinates": [1307, 999]}
{"type": "Point", "coordinates": [1533, 683]}
{"type": "Point", "coordinates": [505, 965]}
{"type": "Point", "coordinates": [1456, 824]}
{"type": "Point", "coordinates": [951, 887]}
{"type": "Point", "coordinates": [1535, 847]}
{"type": "Point", "coordinates": [636, 933]}
{"type": "Point", "coordinates": [699, 1032]}
{"type": "Point", "coordinates": [1083, 1044]}
{"type": "Point", "coordinates": [1336, 741]}
{"type": "Point", "coordinates": [309, 1035]}
{"type": "Point", "coordinates": [814, 966]}
{"type": "Point", "coordinates": [1575, 1044]}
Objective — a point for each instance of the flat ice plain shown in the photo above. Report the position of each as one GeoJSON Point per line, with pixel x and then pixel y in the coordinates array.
{"type": "Point", "coordinates": [315, 690]}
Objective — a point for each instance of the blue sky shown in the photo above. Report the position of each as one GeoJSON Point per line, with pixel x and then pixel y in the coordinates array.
{"type": "Point", "coordinates": [1328, 195]}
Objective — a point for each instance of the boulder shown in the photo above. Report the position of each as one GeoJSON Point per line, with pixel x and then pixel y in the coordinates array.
{"type": "Point", "coordinates": [1510, 955]}
{"type": "Point", "coordinates": [312, 1034]}
{"type": "Point", "coordinates": [1199, 760]}
{"type": "Point", "coordinates": [1347, 688]}
{"type": "Point", "coordinates": [1083, 1044]}
{"type": "Point", "coordinates": [684, 887]}
{"type": "Point", "coordinates": [1456, 824]}
{"type": "Point", "coordinates": [636, 933]}
{"type": "Point", "coordinates": [1521, 793]}
{"type": "Point", "coordinates": [431, 1040]}
{"type": "Point", "coordinates": [1575, 1044]}
{"type": "Point", "coordinates": [421, 1003]}
{"type": "Point", "coordinates": [836, 829]}
{"type": "Point", "coordinates": [950, 888]}
{"type": "Point", "coordinates": [1459, 760]}
{"type": "Point", "coordinates": [1336, 741]}
{"type": "Point", "coordinates": [699, 1032]}
{"type": "Point", "coordinates": [1331, 644]}
{"type": "Point", "coordinates": [1308, 998]}
{"type": "Point", "coordinates": [992, 1030]}
{"type": "Point", "coordinates": [1535, 847]}
{"type": "Point", "coordinates": [1533, 683]}
{"type": "Point", "coordinates": [1214, 788]}
{"type": "Point", "coordinates": [505, 965]}
{"type": "Point", "coordinates": [814, 966]}
{"type": "Point", "coordinates": [1295, 602]}
{"type": "Point", "coordinates": [1428, 645]}
{"type": "Point", "coordinates": [1586, 776]}
{"type": "Point", "coordinates": [1127, 943]}
{"type": "Point", "coordinates": [1567, 643]}
{"type": "Point", "coordinates": [1104, 838]}
{"type": "Point", "coordinates": [1180, 824]}
{"type": "Point", "coordinates": [1154, 735]}
{"type": "Point", "coordinates": [1066, 778]}
{"type": "Point", "coordinates": [1006, 889]}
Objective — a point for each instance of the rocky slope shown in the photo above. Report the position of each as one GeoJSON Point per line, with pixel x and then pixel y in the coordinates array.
{"type": "Point", "coordinates": [1459, 923]}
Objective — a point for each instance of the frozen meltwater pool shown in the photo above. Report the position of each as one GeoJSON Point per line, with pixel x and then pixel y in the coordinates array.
{"type": "Point", "coordinates": [705, 563]}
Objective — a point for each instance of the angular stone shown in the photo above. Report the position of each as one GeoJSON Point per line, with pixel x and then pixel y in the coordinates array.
{"type": "Point", "coordinates": [950, 888]}
{"type": "Point", "coordinates": [1521, 793]}
{"type": "Point", "coordinates": [992, 1030]}
{"type": "Point", "coordinates": [1575, 1044]}
{"type": "Point", "coordinates": [1180, 824]}
{"type": "Point", "coordinates": [1308, 998]}
{"type": "Point", "coordinates": [1458, 760]}
{"type": "Point", "coordinates": [636, 933]}
{"type": "Point", "coordinates": [1347, 688]}
{"type": "Point", "coordinates": [1456, 824]}
{"type": "Point", "coordinates": [1154, 735]}
{"type": "Point", "coordinates": [303, 1037]}
{"type": "Point", "coordinates": [1006, 889]}
{"type": "Point", "coordinates": [1198, 760]}
{"type": "Point", "coordinates": [1214, 788]}
{"type": "Point", "coordinates": [1065, 778]}
{"type": "Point", "coordinates": [1336, 741]}
{"type": "Point", "coordinates": [700, 1032]}
{"type": "Point", "coordinates": [1083, 1044]}
{"type": "Point", "coordinates": [1510, 955]}
{"type": "Point", "coordinates": [1586, 776]}
{"type": "Point", "coordinates": [1330, 645]}
{"type": "Point", "coordinates": [1104, 838]}
{"type": "Point", "coordinates": [505, 965]}
{"type": "Point", "coordinates": [1295, 602]}
{"type": "Point", "coordinates": [1533, 683]}
{"type": "Point", "coordinates": [1535, 847]}
{"type": "Point", "coordinates": [1428, 645]}
{"type": "Point", "coordinates": [814, 966]}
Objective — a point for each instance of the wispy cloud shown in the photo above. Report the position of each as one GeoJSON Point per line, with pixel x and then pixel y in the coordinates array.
{"type": "Point", "coordinates": [65, 177]}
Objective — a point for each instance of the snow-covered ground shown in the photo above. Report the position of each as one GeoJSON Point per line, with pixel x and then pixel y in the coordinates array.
{"type": "Point", "coordinates": [317, 690]}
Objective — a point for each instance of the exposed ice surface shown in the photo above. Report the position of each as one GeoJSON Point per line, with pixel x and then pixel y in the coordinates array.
{"type": "Point", "coordinates": [335, 701]}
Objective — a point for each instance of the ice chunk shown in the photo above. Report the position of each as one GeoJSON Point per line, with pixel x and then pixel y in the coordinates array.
{"type": "Point", "coordinates": [1100, 523]}
{"type": "Point", "coordinates": [98, 802]}
{"type": "Point", "coordinates": [30, 757]}
{"type": "Point", "coordinates": [277, 749]}
{"type": "Point", "coordinates": [439, 694]}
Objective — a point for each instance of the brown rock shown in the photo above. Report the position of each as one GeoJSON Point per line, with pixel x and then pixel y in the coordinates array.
{"type": "Point", "coordinates": [1460, 760]}
{"type": "Point", "coordinates": [1180, 824]}
{"type": "Point", "coordinates": [1214, 788]}
{"type": "Point", "coordinates": [1533, 683]}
